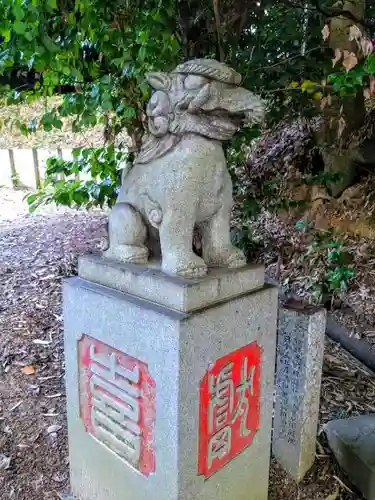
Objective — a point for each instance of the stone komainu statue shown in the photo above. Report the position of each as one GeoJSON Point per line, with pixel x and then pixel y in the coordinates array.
{"type": "Point", "coordinates": [180, 180]}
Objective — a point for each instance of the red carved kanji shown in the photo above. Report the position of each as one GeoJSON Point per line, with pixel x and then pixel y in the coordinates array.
{"type": "Point", "coordinates": [117, 402]}
{"type": "Point", "coordinates": [229, 413]}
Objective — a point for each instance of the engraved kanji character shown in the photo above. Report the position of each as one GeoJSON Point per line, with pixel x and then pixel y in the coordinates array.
{"type": "Point", "coordinates": [220, 444]}
{"type": "Point", "coordinates": [222, 398]}
{"type": "Point", "coordinates": [123, 441]}
{"type": "Point", "coordinates": [106, 366]}
{"type": "Point", "coordinates": [244, 390]}
{"type": "Point", "coordinates": [115, 411]}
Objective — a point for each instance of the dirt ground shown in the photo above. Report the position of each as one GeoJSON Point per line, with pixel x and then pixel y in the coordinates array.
{"type": "Point", "coordinates": [36, 253]}
{"type": "Point", "coordinates": [11, 136]}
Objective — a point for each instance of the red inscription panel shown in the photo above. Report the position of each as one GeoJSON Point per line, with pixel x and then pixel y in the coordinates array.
{"type": "Point", "coordinates": [117, 402]}
{"type": "Point", "coordinates": [229, 408]}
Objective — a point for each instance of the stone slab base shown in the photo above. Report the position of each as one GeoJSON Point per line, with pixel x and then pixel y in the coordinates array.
{"type": "Point", "coordinates": [150, 283]}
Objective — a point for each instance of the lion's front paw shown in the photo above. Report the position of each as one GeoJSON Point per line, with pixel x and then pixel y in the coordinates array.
{"type": "Point", "coordinates": [128, 254]}
{"type": "Point", "coordinates": [236, 259]}
{"type": "Point", "coordinates": [190, 267]}
{"type": "Point", "coordinates": [229, 256]}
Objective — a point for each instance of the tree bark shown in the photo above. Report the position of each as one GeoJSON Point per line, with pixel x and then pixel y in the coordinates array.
{"type": "Point", "coordinates": [350, 111]}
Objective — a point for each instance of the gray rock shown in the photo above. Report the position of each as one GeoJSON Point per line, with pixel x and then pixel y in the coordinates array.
{"type": "Point", "coordinates": [352, 441]}
{"type": "Point", "coordinates": [180, 179]}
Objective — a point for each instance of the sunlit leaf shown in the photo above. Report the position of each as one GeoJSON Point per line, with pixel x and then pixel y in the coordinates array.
{"type": "Point", "coordinates": [326, 32]}
{"type": "Point", "coordinates": [337, 58]}
{"type": "Point", "coordinates": [350, 60]}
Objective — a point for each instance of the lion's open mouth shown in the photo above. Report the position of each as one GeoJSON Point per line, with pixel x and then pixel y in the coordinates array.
{"type": "Point", "coordinates": [224, 121]}
{"type": "Point", "coordinates": [232, 121]}
{"type": "Point", "coordinates": [255, 115]}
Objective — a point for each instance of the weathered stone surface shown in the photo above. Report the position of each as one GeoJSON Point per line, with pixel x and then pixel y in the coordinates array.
{"type": "Point", "coordinates": [180, 178]}
{"type": "Point", "coordinates": [179, 349]}
{"type": "Point", "coordinates": [300, 349]}
{"type": "Point", "coordinates": [150, 283]}
{"type": "Point", "coordinates": [352, 441]}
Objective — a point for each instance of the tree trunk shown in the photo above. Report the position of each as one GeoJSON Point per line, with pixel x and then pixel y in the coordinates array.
{"type": "Point", "coordinates": [343, 117]}
{"type": "Point", "coordinates": [337, 159]}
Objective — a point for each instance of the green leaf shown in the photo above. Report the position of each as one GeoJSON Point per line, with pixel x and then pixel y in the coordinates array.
{"type": "Point", "coordinates": [371, 63]}
{"type": "Point", "coordinates": [18, 12]}
{"type": "Point", "coordinates": [106, 79]}
{"type": "Point", "coordinates": [49, 44]}
{"type": "Point", "coordinates": [88, 119]}
{"type": "Point", "coordinates": [118, 62]}
{"type": "Point", "coordinates": [130, 112]}
{"type": "Point", "coordinates": [76, 152]}
{"type": "Point", "coordinates": [58, 123]}
{"type": "Point", "coordinates": [107, 105]}
{"type": "Point", "coordinates": [142, 53]}
{"type": "Point", "coordinates": [6, 34]}
{"type": "Point", "coordinates": [19, 27]}
{"type": "Point", "coordinates": [30, 198]}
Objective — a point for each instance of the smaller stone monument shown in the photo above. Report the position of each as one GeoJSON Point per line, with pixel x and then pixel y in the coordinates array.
{"type": "Point", "coordinates": [300, 348]}
{"type": "Point", "coordinates": [352, 441]}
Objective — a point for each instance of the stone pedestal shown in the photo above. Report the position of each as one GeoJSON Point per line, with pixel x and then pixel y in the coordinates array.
{"type": "Point", "coordinates": [300, 349]}
{"type": "Point", "coordinates": [169, 383]}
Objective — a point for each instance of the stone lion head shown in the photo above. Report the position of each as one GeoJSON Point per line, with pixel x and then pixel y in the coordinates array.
{"type": "Point", "coordinates": [201, 96]}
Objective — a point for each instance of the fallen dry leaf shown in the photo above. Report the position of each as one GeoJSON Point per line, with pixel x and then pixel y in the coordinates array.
{"type": "Point", "coordinates": [59, 477]}
{"type": "Point", "coordinates": [341, 483]}
{"type": "Point", "coordinates": [341, 128]}
{"type": "Point", "coordinates": [15, 406]}
{"type": "Point", "coordinates": [53, 428]}
{"type": "Point", "coordinates": [355, 33]}
{"type": "Point", "coordinates": [28, 370]}
{"type": "Point", "coordinates": [337, 58]}
{"type": "Point", "coordinates": [23, 446]}
{"type": "Point", "coordinates": [323, 103]}
{"type": "Point", "coordinates": [367, 47]}
{"type": "Point", "coordinates": [326, 32]}
{"type": "Point", "coordinates": [350, 60]}
{"type": "Point", "coordinates": [52, 396]}
{"type": "Point", "coordinates": [372, 85]}
{"type": "Point", "coordinates": [42, 342]}
{"type": "Point", "coordinates": [4, 462]}
{"type": "Point", "coordinates": [333, 496]}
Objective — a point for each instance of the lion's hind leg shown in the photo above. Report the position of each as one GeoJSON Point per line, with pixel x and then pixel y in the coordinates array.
{"type": "Point", "coordinates": [127, 234]}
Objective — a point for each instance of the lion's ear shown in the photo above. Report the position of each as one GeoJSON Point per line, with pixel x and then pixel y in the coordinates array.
{"type": "Point", "coordinates": [159, 80]}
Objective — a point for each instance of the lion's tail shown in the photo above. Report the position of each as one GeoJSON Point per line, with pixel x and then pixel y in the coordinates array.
{"type": "Point", "coordinates": [153, 210]}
